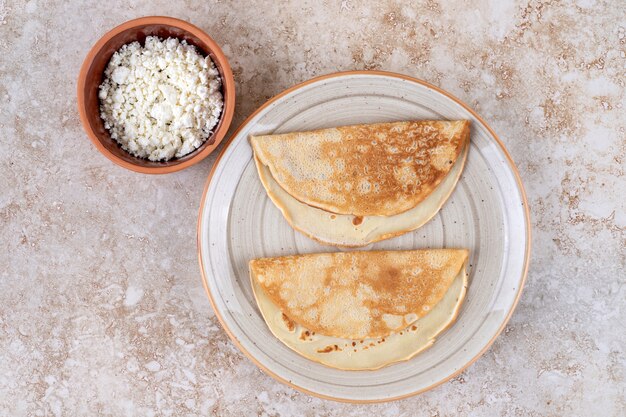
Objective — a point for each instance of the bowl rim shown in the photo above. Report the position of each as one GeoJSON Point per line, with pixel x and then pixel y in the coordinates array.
{"type": "Point", "coordinates": [228, 90]}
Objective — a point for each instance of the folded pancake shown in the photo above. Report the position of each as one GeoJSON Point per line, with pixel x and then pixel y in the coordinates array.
{"type": "Point", "coordinates": [360, 310]}
{"type": "Point", "coordinates": [368, 353]}
{"type": "Point", "coordinates": [353, 231]}
{"type": "Point", "coordinates": [399, 176]}
{"type": "Point", "coordinates": [379, 169]}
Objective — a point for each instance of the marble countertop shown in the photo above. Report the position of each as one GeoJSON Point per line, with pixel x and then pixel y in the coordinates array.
{"type": "Point", "coordinates": [102, 310]}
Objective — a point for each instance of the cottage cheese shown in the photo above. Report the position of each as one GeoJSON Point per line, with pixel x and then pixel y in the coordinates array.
{"type": "Point", "coordinates": [161, 100]}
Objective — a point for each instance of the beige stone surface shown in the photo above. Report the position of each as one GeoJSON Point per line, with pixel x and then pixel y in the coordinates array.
{"type": "Point", "coordinates": [101, 305]}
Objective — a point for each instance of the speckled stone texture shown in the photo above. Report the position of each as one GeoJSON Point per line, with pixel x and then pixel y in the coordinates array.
{"type": "Point", "coordinates": [102, 310]}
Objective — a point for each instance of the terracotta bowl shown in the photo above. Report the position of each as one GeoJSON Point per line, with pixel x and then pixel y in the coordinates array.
{"type": "Point", "coordinates": [91, 76]}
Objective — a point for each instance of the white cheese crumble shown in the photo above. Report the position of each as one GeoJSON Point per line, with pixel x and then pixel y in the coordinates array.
{"type": "Point", "coordinates": [161, 100]}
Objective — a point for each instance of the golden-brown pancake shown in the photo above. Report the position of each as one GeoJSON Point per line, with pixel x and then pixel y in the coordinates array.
{"type": "Point", "coordinates": [367, 353]}
{"type": "Point", "coordinates": [355, 295]}
{"type": "Point", "coordinates": [352, 231]}
{"type": "Point", "coordinates": [380, 169]}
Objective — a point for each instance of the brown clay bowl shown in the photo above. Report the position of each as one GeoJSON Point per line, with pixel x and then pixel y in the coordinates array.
{"type": "Point", "coordinates": [91, 76]}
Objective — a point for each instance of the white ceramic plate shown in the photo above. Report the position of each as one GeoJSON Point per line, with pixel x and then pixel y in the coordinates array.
{"type": "Point", "coordinates": [487, 213]}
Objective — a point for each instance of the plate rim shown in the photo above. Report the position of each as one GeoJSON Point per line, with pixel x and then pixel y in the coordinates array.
{"type": "Point", "coordinates": [509, 160]}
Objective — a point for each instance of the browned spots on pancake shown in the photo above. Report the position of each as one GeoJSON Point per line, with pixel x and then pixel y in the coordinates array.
{"type": "Point", "coordinates": [330, 348]}
{"type": "Point", "coordinates": [304, 335]}
{"type": "Point", "coordinates": [357, 220]}
{"type": "Point", "coordinates": [392, 274]}
{"type": "Point", "coordinates": [391, 284]}
{"type": "Point", "coordinates": [327, 349]}
{"type": "Point", "coordinates": [403, 166]}
{"type": "Point", "coordinates": [414, 328]}
{"type": "Point", "coordinates": [288, 322]}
